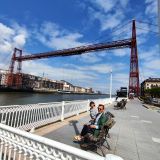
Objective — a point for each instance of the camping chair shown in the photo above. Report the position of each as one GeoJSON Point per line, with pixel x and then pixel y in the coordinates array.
{"type": "Point", "coordinates": [121, 104]}
{"type": "Point", "coordinates": [118, 105]}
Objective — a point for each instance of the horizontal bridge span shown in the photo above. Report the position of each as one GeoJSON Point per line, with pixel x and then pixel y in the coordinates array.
{"type": "Point", "coordinates": [77, 50]}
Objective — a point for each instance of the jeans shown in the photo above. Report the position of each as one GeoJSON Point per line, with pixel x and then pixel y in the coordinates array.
{"type": "Point", "coordinates": [86, 129]}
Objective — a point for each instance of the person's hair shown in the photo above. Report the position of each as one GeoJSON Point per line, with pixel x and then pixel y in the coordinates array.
{"type": "Point", "coordinates": [91, 103]}
{"type": "Point", "coordinates": [101, 105]}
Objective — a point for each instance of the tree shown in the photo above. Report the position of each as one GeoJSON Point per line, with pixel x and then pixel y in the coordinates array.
{"type": "Point", "coordinates": [153, 92]}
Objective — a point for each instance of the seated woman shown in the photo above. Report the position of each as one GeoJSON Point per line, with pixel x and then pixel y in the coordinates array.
{"type": "Point", "coordinates": [93, 112]}
{"type": "Point", "coordinates": [96, 127]}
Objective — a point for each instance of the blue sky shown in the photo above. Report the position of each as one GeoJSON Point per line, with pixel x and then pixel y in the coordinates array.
{"type": "Point", "coordinates": [39, 26]}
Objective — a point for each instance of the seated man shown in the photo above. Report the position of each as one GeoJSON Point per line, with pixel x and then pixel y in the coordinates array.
{"type": "Point", "coordinates": [96, 127]}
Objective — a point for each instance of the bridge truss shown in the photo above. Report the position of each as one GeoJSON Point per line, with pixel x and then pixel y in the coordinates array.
{"type": "Point", "coordinates": [16, 79]}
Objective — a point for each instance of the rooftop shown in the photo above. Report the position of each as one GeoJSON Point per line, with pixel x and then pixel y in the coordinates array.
{"type": "Point", "coordinates": [152, 80]}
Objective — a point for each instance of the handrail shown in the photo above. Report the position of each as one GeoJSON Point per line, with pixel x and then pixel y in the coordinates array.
{"type": "Point", "coordinates": [40, 145]}
{"type": "Point", "coordinates": [22, 145]}
{"type": "Point", "coordinates": [36, 115]}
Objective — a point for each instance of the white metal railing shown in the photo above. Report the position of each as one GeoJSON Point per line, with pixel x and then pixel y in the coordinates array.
{"type": "Point", "coordinates": [30, 116]}
{"type": "Point", "coordinates": [16, 144]}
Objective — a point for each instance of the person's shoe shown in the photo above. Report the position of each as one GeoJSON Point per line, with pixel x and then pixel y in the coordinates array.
{"type": "Point", "coordinates": [77, 137]}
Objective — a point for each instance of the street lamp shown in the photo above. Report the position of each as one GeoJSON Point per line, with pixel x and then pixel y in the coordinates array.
{"type": "Point", "coordinates": [159, 23]}
{"type": "Point", "coordinates": [110, 85]}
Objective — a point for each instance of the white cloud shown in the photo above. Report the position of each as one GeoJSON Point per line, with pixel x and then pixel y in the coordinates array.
{"type": "Point", "coordinates": [108, 5]}
{"type": "Point", "coordinates": [120, 79]}
{"type": "Point", "coordinates": [152, 64]}
{"type": "Point", "coordinates": [148, 55]}
{"type": "Point", "coordinates": [11, 37]}
{"type": "Point", "coordinates": [90, 58]}
{"type": "Point", "coordinates": [105, 5]}
{"type": "Point", "coordinates": [6, 31]}
{"type": "Point", "coordinates": [151, 7]}
{"type": "Point", "coordinates": [103, 68]}
{"type": "Point", "coordinates": [57, 73]}
{"type": "Point", "coordinates": [53, 36]}
{"type": "Point", "coordinates": [124, 3]}
{"type": "Point", "coordinates": [107, 21]}
{"type": "Point", "coordinates": [149, 62]}
{"type": "Point", "coordinates": [109, 13]}
{"type": "Point", "coordinates": [146, 73]}
{"type": "Point", "coordinates": [121, 52]}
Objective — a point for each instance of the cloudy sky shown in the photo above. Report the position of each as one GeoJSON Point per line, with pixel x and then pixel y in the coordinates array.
{"type": "Point", "coordinates": [40, 26]}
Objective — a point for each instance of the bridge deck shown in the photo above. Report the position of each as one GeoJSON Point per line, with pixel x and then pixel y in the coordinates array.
{"type": "Point", "coordinates": [136, 135]}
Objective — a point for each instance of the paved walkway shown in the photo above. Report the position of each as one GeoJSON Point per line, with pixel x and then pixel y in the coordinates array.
{"type": "Point", "coordinates": [136, 135]}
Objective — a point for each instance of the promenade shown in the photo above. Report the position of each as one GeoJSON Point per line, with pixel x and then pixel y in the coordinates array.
{"type": "Point", "coordinates": [135, 136]}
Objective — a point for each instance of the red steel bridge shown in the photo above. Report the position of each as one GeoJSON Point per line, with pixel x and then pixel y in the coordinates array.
{"type": "Point", "coordinates": [16, 79]}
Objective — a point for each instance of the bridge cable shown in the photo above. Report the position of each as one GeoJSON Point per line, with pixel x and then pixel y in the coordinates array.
{"type": "Point", "coordinates": [156, 25]}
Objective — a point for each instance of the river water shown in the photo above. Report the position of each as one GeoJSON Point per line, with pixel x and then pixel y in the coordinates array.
{"type": "Point", "coordinates": [12, 98]}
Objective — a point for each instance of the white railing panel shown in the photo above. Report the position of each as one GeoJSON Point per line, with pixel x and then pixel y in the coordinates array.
{"type": "Point", "coordinates": [16, 144]}
{"type": "Point", "coordinates": [73, 108]}
{"type": "Point", "coordinates": [30, 116]}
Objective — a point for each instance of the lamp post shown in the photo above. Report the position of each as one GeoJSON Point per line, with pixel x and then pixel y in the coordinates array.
{"type": "Point", "coordinates": [159, 23]}
{"type": "Point", "coordinates": [110, 85]}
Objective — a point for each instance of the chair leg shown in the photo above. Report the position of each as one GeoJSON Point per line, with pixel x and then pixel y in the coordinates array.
{"type": "Point", "coordinates": [108, 135]}
{"type": "Point", "coordinates": [99, 147]}
{"type": "Point", "coordinates": [108, 146]}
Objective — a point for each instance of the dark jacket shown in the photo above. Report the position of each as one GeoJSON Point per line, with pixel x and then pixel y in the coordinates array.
{"type": "Point", "coordinates": [102, 120]}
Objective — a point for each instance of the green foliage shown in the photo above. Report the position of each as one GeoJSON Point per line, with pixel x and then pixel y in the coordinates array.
{"type": "Point", "coordinates": [153, 92]}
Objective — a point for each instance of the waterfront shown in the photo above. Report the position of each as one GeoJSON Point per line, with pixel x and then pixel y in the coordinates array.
{"type": "Point", "coordinates": [13, 98]}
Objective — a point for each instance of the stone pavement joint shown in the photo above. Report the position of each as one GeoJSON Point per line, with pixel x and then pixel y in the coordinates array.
{"type": "Point", "coordinates": [145, 121]}
{"type": "Point", "coordinates": [134, 116]}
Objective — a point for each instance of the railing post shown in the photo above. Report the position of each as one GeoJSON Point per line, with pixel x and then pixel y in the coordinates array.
{"type": "Point", "coordinates": [111, 156]}
{"type": "Point", "coordinates": [62, 113]}
{"type": "Point", "coordinates": [88, 101]}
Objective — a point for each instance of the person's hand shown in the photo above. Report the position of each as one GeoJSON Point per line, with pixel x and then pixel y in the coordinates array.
{"type": "Point", "coordinates": [92, 126]}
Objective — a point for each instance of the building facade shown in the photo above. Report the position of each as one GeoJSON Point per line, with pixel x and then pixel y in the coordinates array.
{"type": "Point", "coordinates": [33, 82]}
{"type": "Point", "coordinates": [3, 74]}
{"type": "Point", "coordinates": [149, 83]}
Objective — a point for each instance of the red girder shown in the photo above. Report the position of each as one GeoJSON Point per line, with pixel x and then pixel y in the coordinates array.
{"type": "Point", "coordinates": [77, 50]}
{"type": "Point", "coordinates": [126, 43]}
{"type": "Point", "coordinates": [134, 69]}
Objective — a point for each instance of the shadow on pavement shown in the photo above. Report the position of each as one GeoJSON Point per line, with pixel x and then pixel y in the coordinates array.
{"type": "Point", "coordinates": [74, 124]}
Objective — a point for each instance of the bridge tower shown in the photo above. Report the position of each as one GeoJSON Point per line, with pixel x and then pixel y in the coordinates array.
{"type": "Point", "coordinates": [15, 80]}
{"type": "Point", "coordinates": [134, 70]}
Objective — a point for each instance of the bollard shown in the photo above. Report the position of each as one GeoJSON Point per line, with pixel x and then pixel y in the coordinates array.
{"type": "Point", "coordinates": [88, 105]}
{"type": "Point", "coordinates": [62, 113]}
